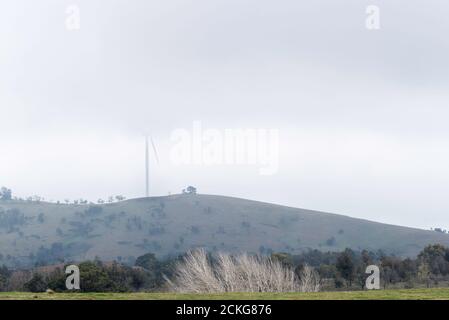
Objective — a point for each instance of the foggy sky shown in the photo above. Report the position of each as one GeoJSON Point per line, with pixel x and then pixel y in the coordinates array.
{"type": "Point", "coordinates": [362, 114]}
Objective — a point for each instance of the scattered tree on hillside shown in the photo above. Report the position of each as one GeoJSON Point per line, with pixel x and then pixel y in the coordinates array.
{"type": "Point", "coordinates": [195, 229]}
{"type": "Point", "coordinates": [440, 230]}
{"type": "Point", "coordinates": [93, 210]}
{"type": "Point", "coordinates": [331, 242]}
{"type": "Point", "coordinates": [36, 198]}
{"type": "Point", "coordinates": [41, 217]}
{"type": "Point", "coordinates": [120, 198]}
{"type": "Point", "coordinates": [5, 194]}
{"type": "Point", "coordinates": [189, 190]}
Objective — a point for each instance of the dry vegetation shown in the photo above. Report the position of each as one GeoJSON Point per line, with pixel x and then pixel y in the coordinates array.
{"type": "Point", "coordinates": [197, 273]}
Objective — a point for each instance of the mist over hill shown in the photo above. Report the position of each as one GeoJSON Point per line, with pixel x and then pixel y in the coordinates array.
{"type": "Point", "coordinates": [40, 232]}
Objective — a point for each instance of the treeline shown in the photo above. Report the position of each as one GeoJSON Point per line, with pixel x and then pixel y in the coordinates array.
{"type": "Point", "coordinates": [337, 271]}
{"type": "Point", "coordinates": [95, 276]}
{"type": "Point", "coordinates": [6, 194]}
{"type": "Point", "coordinates": [346, 270]}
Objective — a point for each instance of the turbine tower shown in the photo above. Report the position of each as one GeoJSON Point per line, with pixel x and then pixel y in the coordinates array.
{"type": "Point", "coordinates": [147, 169]}
{"type": "Point", "coordinates": [147, 163]}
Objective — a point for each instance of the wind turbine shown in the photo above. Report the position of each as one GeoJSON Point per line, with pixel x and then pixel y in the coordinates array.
{"type": "Point", "coordinates": [147, 163]}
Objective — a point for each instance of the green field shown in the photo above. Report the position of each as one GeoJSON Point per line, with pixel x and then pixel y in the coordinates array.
{"type": "Point", "coordinates": [406, 294]}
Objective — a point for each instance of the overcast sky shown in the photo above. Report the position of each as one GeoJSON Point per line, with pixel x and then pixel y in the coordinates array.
{"type": "Point", "coordinates": [362, 114]}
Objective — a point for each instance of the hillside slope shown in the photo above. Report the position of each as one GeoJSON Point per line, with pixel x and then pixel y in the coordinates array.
{"type": "Point", "coordinates": [32, 232]}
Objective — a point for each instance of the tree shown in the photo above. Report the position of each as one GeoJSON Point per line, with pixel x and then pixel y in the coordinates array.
{"type": "Point", "coordinates": [5, 194]}
{"type": "Point", "coordinates": [189, 190]}
{"type": "Point", "coordinates": [436, 257]}
{"type": "Point", "coordinates": [331, 242]}
{"type": "Point", "coordinates": [56, 280]}
{"type": "Point", "coordinates": [36, 284]}
{"type": "Point", "coordinates": [345, 265]}
{"type": "Point", "coordinates": [147, 261]}
{"type": "Point", "coordinates": [367, 258]}
{"type": "Point", "coordinates": [360, 276]}
{"type": "Point", "coordinates": [139, 280]}
{"type": "Point", "coordinates": [309, 280]}
{"type": "Point", "coordinates": [94, 278]}
{"type": "Point", "coordinates": [41, 217]}
{"type": "Point", "coordinates": [390, 269]}
{"type": "Point", "coordinates": [424, 273]}
{"type": "Point", "coordinates": [153, 274]}
{"type": "Point", "coordinates": [4, 277]}
{"type": "Point", "coordinates": [284, 258]}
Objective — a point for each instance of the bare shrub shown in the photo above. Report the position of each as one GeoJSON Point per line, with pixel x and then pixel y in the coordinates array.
{"type": "Point", "coordinates": [197, 273]}
{"type": "Point", "coordinates": [309, 280]}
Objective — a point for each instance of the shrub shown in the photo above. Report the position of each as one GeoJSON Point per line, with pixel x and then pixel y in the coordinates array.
{"type": "Point", "coordinates": [200, 273]}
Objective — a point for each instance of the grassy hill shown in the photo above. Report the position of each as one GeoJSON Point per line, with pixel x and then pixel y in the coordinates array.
{"type": "Point", "coordinates": [38, 231]}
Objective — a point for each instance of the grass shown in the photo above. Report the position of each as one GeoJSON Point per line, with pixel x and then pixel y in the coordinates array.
{"type": "Point", "coordinates": [405, 294]}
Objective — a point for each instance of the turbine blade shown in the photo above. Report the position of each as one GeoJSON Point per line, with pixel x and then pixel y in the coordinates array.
{"type": "Point", "coordinates": [154, 150]}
